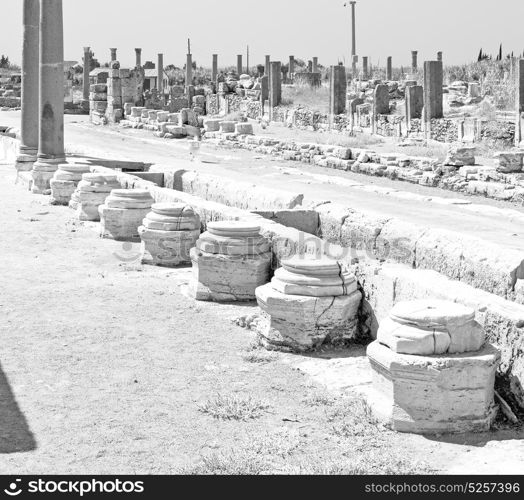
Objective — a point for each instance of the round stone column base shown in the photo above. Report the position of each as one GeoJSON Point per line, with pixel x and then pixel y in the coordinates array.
{"type": "Point", "coordinates": [433, 394]}
{"type": "Point", "coordinates": [167, 248]}
{"type": "Point", "coordinates": [25, 161]}
{"type": "Point", "coordinates": [121, 224]}
{"type": "Point", "coordinates": [227, 278]}
{"type": "Point", "coordinates": [297, 323]}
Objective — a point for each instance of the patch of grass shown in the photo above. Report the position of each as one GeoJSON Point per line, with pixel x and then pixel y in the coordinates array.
{"type": "Point", "coordinates": [352, 417]}
{"type": "Point", "coordinates": [319, 398]}
{"type": "Point", "coordinates": [233, 407]}
{"type": "Point", "coordinates": [435, 151]}
{"type": "Point", "coordinates": [258, 457]}
{"type": "Point", "coordinates": [257, 354]}
{"type": "Point", "coordinates": [382, 462]}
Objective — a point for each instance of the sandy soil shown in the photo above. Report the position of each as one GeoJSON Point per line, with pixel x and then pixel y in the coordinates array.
{"type": "Point", "coordinates": [105, 364]}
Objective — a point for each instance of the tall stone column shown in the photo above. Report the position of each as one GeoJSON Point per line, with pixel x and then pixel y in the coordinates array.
{"type": "Point", "coordinates": [389, 69]}
{"type": "Point", "coordinates": [113, 55]}
{"type": "Point", "coordinates": [189, 70]}
{"type": "Point", "coordinates": [30, 78]}
{"type": "Point", "coordinates": [85, 85]}
{"type": "Point", "coordinates": [239, 64]}
{"type": "Point", "coordinates": [291, 67]}
{"type": "Point", "coordinates": [160, 74]}
{"type": "Point", "coordinates": [365, 75]}
{"type": "Point", "coordinates": [353, 30]}
{"type": "Point", "coordinates": [433, 94]}
{"type": "Point", "coordinates": [268, 65]}
{"type": "Point", "coordinates": [315, 65]}
{"type": "Point", "coordinates": [414, 61]}
{"type": "Point", "coordinates": [519, 129]}
{"type": "Point", "coordinates": [214, 71]}
{"type": "Point", "coordinates": [51, 110]}
{"type": "Point", "coordinates": [138, 54]}
{"type": "Point", "coordinates": [337, 90]}
{"type": "Point", "coordinates": [439, 56]}
{"type": "Point", "coordinates": [275, 84]}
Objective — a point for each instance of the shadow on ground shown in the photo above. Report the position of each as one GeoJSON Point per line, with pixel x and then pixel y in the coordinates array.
{"type": "Point", "coordinates": [15, 435]}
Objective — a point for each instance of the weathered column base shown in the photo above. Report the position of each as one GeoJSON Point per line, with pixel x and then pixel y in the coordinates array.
{"type": "Point", "coordinates": [167, 248]}
{"type": "Point", "coordinates": [296, 323]}
{"type": "Point", "coordinates": [121, 224]}
{"type": "Point", "coordinates": [227, 278]}
{"type": "Point", "coordinates": [42, 174]}
{"type": "Point", "coordinates": [433, 394]}
{"type": "Point", "coordinates": [26, 159]}
{"type": "Point", "coordinates": [61, 191]}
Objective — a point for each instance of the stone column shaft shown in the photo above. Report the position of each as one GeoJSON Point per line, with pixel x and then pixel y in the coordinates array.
{"type": "Point", "coordinates": [189, 70]}
{"type": "Point", "coordinates": [87, 67]}
{"type": "Point", "coordinates": [268, 65]}
{"type": "Point", "coordinates": [51, 109]}
{"type": "Point", "coordinates": [275, 84]}
{"type": "Point", "coordinates": [30, 80]}
{"type": "Point", "coordinates": [337, 90]}
{"type": "Point", "coordinates": [414, 61]}
{"type": "Point", "coordinates": [138, 54]}
{"type": "Point", "coordinates": [160, 75]}
{"type": "Point", "coordinates": [214, 72]}
{"type": "Point", "coordinates": [519, 129]}
{"type": "Point", "coordinates": [389, 69]}
{"type": "Point", "coordinates": [365, 68]}
{"type": "Point", "coordinates": [353, 30]}
{"type": "Point", "coordinates": [239, 64]}
{"type": "Point", "coordinates": [315, 65]}
{"type": "Point", "coordinates": [113, 54]}
{"type": "Point", "coordinates": [433, 94]}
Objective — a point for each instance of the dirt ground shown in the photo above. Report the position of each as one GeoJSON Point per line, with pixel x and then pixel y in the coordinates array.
{"type": "Point", "coordinates": [107, 367]}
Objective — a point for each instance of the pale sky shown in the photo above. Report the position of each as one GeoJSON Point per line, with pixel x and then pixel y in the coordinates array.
{"type": "Point", "coordinates": [303, 28]}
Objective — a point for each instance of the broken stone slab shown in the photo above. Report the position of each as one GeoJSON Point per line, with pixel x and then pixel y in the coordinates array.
{"type": "Point", "coordinates": [459, 156]}
{"type": "Point", "coordinates": [433, 394]}
{"type": "Point", "coordinates": [427, 327]}
{"type": "Point", "coordinates": [509, 161]}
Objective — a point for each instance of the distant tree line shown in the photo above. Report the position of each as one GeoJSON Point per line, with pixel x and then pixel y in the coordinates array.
{"type": "Point", "coordinates": [483, 56]}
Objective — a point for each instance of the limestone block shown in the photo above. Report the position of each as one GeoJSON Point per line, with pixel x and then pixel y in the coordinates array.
{"type": "Point", "coordinates": [145, 113]}
{"type": "Point", "coordinates": [98, 106]}
{"type": "Point", "coordinates": [152, 115]}
{"type": "Point", "coordinates": [98, 88]}
{"type": "Point", "coordinates": [128, 106]}
{"type": "Point", "coordinates": [433, 394]}
{"type": "Point", "coordinates": [427, 327]}
{"type": "Point", "coordinates": [162, 116]}
{"type": "Point", "coordinates": [98, 96]}
{"type": "Point", "coordinates": [224, 278]}
{"type": "Point", "coordinates": [509, 161]}
{"type": "Point", "coordinates": [130, 199]}
{"type": "Point", "coordinates": [301, 323]}
{"type": "Point", "coordinates": [174, 118]}
{"type": "Point", "coordinates": [244, 128]}
{"type": "Point", "coordinates": [227, 127]}
{"type": "Point", "coordinates": [211, 125]}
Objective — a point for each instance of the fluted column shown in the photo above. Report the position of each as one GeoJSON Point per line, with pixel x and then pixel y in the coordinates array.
{"type": "Point", "coordinates": [30, 77]}
{"type": "Point", "coordinates": [51, 110]}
